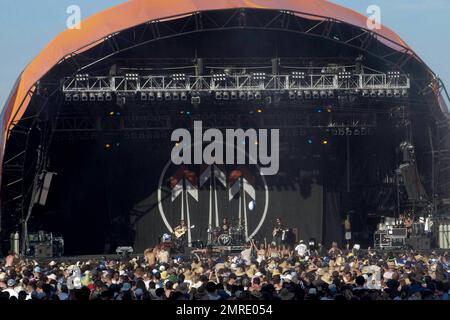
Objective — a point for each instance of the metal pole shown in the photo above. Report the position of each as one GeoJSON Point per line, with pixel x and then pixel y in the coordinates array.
{"type": "Point", "coordinates": [348, 164]}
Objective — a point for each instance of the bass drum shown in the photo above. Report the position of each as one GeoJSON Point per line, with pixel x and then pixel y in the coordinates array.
{"type": "Point", "coordinates": [224, 239]}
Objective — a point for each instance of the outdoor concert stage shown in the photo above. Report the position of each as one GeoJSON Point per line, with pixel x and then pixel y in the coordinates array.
{"type": "Point", "coordinates": [87, 129]}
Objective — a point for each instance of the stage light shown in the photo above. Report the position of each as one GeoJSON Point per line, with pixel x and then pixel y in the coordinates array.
{"type": "Point", "coordinates": [356, 132]}
{"type": "Point", "coordinates": [381, 93]}
{"type": "Point", "coordinates": [159, 96]}
{"type": "Point", "coordinates": [242, 95]}
{"type": "Point", "coordinates": [82, 77]}
{"type": "Point", "coordinates": [258, 95]}
{"type": "Point", "coordinates": [107, 146]}
{"type": "Point", "coordinates": [226, 95]}
{"type": "Point", "coordinates": [393, 74]}
{"type": "Point", "coordinates": [325, 142]}
{"type": "Point", "coordinates": [68, 97]}
{"type": "Point", "coordinates": [299, 94]}
{"type": "Point", "coordinates": [323, 94]}
{"type": "Point", "coordinates": [176, 96]}
{"type": "Point", "coordinates": [183, 96]}
{"type": "Point", "coordinates": [309, 141]}
{"type": "Point", "coordinates": [167, 96]}
{"type": "Point", "coordinates": [219, 77]}
{"type": "Point", "coordinates": [291, 95]}
{"type": "Point", "coordinates": [151, 96]}
{"type": "Point", "coordinates": [196, 100]}
{"type": "Point", "coordinates": [319, 110]}
{"type": "Point", "coordinates": [179, 77]}
{"type": "Point", "coordinates": [330, 94]}
{"type": "Point", "coordinates": [344, 75]}
{"type": "Point", "coordinates": [84, 97]}
{"type": "Point", "coordinates": [76, 97]}
{"type": "Point", "coordinates": [298, 75]}
{"type": "Point", "coordinates": [259, 76]}
{"type": "Point", "coordinates": [250, 95]}
{"type": "Point", "coordinates": [92, 97]}
{"type": "Point", "coordinates": [144, 96]}
{"type": "Point", "coordinates": [373, 93]}
{"type": "Point", "coordinates": [329, 110]}
{"type": "Point", "coordinates": [389, 93]}
{"type": "Point", "coordinates": [112, 113]}
{"type": "Point", "coordinates": [397, 93]}
{"type": "Point", "coordinates": [365, 93]}
{"type": "Point", "coordinates": [100, 97]}
{"type": "Point", "coordinates": [259, 110]}
{"type": "Point", "coordinates": [234, 95]}
{"type": "Point", "coordinates": [307, 94]}
{"type": "Point", "coordinates": [108, 96]}
{"type": "Point", "coordinates": [218, 95]}
{"type": "Point", "coordinates": [132, 76]}
{"type": "Point", "coordinates": [315, 94]}
{"type": "Point", "coordinates": [404, 93]}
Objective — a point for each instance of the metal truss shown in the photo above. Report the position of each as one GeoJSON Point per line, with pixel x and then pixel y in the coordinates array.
{"type": "Point", "coordinates": [221, 83]}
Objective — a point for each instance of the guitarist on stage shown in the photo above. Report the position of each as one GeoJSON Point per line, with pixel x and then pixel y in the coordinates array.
{"type": "Point", "coordinates": [277, 232]}
{"type": "Point", "coordinates": [180, 233]}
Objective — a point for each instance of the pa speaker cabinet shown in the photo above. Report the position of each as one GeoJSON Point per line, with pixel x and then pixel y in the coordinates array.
{"type": "Point", "coordinates": [43, 251]}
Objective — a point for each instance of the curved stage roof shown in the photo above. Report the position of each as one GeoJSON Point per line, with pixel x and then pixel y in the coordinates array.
{"type": "Point", "coordinates": [136, 12]}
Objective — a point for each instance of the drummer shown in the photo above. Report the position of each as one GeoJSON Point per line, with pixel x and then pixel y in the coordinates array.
{"type": "Point", "coordinates": [225, 228]}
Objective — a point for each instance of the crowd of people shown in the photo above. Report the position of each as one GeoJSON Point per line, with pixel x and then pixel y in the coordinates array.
{"type": "Point", "coordinates": [259, 272]}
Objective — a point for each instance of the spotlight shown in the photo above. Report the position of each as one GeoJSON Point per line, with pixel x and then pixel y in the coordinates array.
{"type": "Point", "coordinates": [234, 95]}
{"type": "Point", "coordinates": [356, 132]}
{"type": "Point", "coordinates": [167, 96]}
{"type": "Point", "coordinates": [108, 96]}
{"type": "Point", "coordinates": [226, 95]}
{"type": "Point", "coordinates": [144, 96]}
{"type": "Point", "coordinates": [389, 93]}
{"type": "Point", "coordinates": [242, 95]}
{"type": "Point", "coordinates": [84, 97]}
{"type": "Point", "coordinates": [323, 94]}
{"type": "Point", "coordinates": [309, 141]}
{"type": "Point", "coordinates": [183, 96]}
{"type": "Point", "coordinates": [330, 94]}
{"type": "Point", "coordinates": [176, 96]}
{"type": "Point", "coordinates": [300, 94]}
{"type": "Point", "coordinates": [76, 97]}
{"type": "Point", "coordinates": [250, 95]}
{"type": "Point", "coordinates": [259, 110]}
{"type": "Point", "coordinates": [159, 96]}
{"type": "Point", "coordinates": [218, 95]}
{"type": "Point", "coordinates": [393, 74]}
{"type": "Point", "coordinates": [404, 93]}
{"type": "Point", "coordinates": [307, 94]}
{"type": "Point", "coordinates": [68, 97]}
{"type": "Point", "coordinates": [397, 93]}
{"type": "Point", "coordinates": [344, 75]}
{"type": "Point", "coordinates": [258, 95]}
{"type": "Point", "coordinates": [151, 96]}
{"type": "Point", "coordinates": [315, 94]}
{"type": "Point", "coordinates": [291, 95]}
{"type": "Point", "coordinates": [365, 93]}
{"type": "Point", "coordinates": [381, 93]}
{"type": "Point", "coordinates": [325, 142]}
{"type": "Point", "coordinates": [100, 97]}
{"type": "Point", "coordinates": [373, 93]}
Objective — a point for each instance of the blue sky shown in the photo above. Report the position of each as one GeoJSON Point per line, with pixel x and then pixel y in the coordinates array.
{"type": "Point", "coordinates": [27, 26]}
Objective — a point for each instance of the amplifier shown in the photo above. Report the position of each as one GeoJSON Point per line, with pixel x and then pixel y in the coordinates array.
{"type": "Point", "coordinates": [43, 251]}
{"type": "Point", "coordinates": [381, 240]}
{"type": "Point", "coordinates": [398, 232]}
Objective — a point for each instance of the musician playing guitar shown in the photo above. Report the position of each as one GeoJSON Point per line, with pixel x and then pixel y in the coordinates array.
{"type": "Point", "coordinates": [277, 232]}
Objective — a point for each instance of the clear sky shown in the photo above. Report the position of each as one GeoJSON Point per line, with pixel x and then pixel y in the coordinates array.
{"type": "Point", "coordinates": [28, 25]}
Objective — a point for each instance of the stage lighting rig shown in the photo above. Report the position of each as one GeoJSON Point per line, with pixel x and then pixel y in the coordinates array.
{"type": "Point", "coordinates": [260, 76]}
{"type": "Point", "coordinates": [179, 77]}
{"type": "Point", "coordinates": [298, 75]}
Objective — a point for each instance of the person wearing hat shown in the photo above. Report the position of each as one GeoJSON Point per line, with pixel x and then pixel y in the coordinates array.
{"type": "Point", "coordinates": [285, 294]}
{"type": "Point", "coordinates": [10, 288]}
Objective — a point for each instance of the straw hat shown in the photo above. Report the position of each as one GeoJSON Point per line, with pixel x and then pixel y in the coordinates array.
{"type": "Point", "coordinates": [327, 278]}
{"type": "Point", "coordinates": [239, 272]}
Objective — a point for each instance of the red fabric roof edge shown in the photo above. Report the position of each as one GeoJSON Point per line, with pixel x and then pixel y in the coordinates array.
{"type": "Point", "coordinates": [136, 12]}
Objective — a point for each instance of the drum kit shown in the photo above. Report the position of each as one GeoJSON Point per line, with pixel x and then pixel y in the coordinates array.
{"type": "Point", "coordinates": [234, 236]}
